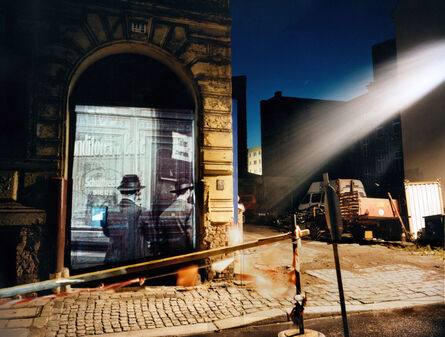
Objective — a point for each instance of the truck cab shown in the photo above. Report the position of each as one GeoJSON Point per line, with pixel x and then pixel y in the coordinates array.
{"type": "Point", "coordinates": [315, 193]}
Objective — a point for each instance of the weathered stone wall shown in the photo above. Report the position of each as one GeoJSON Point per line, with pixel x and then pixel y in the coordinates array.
{"type": "Point", "coordinates": [58, 40]}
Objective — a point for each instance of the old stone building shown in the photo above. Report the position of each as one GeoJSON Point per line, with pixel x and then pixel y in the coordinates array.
{"type": "Point", "coordinates": [93, 91]}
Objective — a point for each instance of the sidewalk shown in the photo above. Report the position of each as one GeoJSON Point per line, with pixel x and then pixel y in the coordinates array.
{"type": "Point", "coordinates": [164, 311]}
{"type": "Point", "coordinates": [391, 280]}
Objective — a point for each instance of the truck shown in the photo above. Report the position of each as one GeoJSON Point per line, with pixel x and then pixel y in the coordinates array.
{"type": "Point", "coordinates": [254, 212]}
{"type": "Point", "coordinates": [362, 217]}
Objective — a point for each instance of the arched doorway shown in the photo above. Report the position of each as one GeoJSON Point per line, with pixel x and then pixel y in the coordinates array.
{"type": "Point", "coordinates": [132, 127]}
{"type": "Point", "coordinates": [133, 80]}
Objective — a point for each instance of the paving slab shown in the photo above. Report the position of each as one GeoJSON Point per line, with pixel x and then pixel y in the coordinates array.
{"type": "Point", "coordinates": [13, 313]}
{"type": "Point", "coordinates": [14, 332]}
{"type": "Point", "coordinates": [19, 323]}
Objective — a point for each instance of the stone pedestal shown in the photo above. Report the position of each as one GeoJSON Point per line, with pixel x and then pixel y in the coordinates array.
{"type": "Point", "coordinates": [296, 333]}
{"type": "Point", "coordinates": [20, 235]}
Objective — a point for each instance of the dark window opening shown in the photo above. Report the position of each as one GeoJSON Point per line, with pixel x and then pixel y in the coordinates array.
{"type": "Point", "coordinates": [316, 197]}
{"type": "Point", "coordinates": [306, 199]}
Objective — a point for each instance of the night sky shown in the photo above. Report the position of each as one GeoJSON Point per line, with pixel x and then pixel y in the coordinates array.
{"type": "Point", "coordinates": [305, 48]}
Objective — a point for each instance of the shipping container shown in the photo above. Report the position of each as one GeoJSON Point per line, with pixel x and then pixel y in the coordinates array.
{"type": "Point", "coordinates": [422, 199]}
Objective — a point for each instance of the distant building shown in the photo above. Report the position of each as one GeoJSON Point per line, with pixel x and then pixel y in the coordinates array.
{"type": "Point", "coordinates": [377, 159]}
{"type": "Point", "coordinates": [422, 123]}
{"type": "Point", "coordinates": [254, 164]}
{"type": "Point", "coordinates": [286, 140]}
{"type": "Point", "coordinates": [291, 126]}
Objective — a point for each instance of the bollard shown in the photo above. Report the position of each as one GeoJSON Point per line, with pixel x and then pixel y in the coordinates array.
{"type": "Point", "coordinates": [300, 298]}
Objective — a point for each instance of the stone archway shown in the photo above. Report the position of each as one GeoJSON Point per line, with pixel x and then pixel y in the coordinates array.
{"type": "Point", "coordinates": [131, 111]}
{"type": "Point", "coordinates": [125, 47]}
{"type": "Point", "coordinates": [65, 38]}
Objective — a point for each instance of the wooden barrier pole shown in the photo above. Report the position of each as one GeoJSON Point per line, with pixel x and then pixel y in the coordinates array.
{"type": "Point", "coordinates": [397, 214]}
{"type": "Point", "coordinates": [138, 267]}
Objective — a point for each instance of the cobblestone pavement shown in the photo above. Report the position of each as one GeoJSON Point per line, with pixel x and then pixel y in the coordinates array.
{"type": "Point", "coordinates": [385, 282]}
{"type": "Point", "coordinates": [152, 308]}
{"type": "Point", "coordinates": [377, 284]}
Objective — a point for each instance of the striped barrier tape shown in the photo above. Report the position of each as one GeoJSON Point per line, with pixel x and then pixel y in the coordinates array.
{"type": "Point", "coordinates": [114, 286]}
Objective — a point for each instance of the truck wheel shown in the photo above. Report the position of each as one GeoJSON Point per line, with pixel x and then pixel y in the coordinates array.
{"type": "Point", "coordinates": [357, 234]}
{"type": "Point", "coordinates": [315, 232]}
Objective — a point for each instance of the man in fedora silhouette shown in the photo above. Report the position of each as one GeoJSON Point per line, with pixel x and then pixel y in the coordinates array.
{"type": "Point", "coordinates": [127, 232]}
{"type": "Point", "coordinates": [176, 221]}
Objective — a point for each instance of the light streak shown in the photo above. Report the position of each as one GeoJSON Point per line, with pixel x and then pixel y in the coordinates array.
{"type": "Point", "coordinates": [268, 271]}
{"type": "Point", "coordinates": [325, 132]}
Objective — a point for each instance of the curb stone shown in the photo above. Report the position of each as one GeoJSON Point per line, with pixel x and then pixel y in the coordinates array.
{"type": "Point", "coordinates": [334, 310]}
{"type": "Point", "coordinates": [273, 316]}
{"type": "Point", "coordinates": [262, 317]}
{"type": "Point", "coordinates": [168, 331]}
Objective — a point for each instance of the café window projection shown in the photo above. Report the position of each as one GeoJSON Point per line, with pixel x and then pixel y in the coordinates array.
{"type": "Point", "coordinates": [133, 187]}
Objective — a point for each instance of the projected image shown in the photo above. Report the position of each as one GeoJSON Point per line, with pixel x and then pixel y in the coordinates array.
{"type": "Point", "coordinates": [133, 188]}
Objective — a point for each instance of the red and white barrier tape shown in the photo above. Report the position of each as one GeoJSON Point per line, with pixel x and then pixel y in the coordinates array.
{"type": "Point", "coordinates": [8, 303]}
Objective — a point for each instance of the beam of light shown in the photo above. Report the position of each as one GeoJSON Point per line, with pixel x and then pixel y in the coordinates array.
{"type": "Point", "coordinates": [234, 235]}
{"type": "Point", "coordinates": [220, 266]}
{"type": "Point", "coordinates": [318, 136]}
{"type": "Point", "coordinates": [268, 270]}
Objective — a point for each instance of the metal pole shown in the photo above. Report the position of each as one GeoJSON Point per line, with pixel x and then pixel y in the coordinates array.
{"type": "Point", "coordinates": [333, 217]}
{"type": "Point", "coordinates": [61, 225]}
{"type": "Point", "coordinates": [340, 290]}
{"type": "Point", "coordinates": [299, 298]}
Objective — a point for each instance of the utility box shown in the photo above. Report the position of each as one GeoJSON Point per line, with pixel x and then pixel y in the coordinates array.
{"type": "Point", "coordinates": [434, 228]}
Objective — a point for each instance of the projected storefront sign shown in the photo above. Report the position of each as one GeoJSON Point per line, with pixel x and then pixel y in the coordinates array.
{"type": "Point", "coordinates": [132, 194]}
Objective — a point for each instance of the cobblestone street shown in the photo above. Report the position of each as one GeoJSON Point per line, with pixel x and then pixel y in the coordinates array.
{"type": "Point", "coordinates": [170, 310]}
{"type": "Point", "coordinates": [153, 308]}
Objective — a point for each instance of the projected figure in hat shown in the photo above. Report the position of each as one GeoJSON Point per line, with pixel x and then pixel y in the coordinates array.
{"type": "Point", "coordinates": [176, 221]}
{"type": "Point", "coordinates": [129, 238]}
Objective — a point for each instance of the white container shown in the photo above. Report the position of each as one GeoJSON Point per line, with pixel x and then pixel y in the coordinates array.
{"type": "Point", "coordinates": [422, 199]}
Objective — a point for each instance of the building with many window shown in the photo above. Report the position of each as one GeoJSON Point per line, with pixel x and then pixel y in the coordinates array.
{"type": "Point", "coordinates": [254, 164]}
